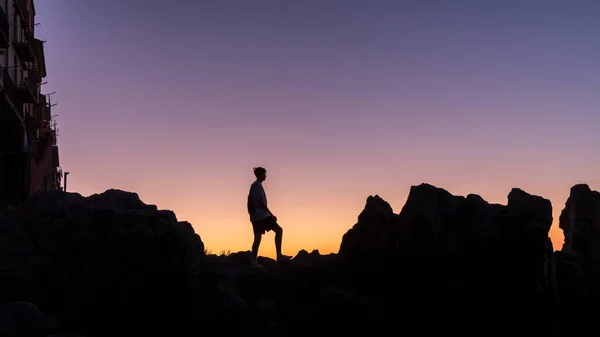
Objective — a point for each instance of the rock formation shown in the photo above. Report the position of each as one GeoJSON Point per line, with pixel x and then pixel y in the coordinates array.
{"type": "Point", "coordinates": [107, 261]}
{"type": "Point", "coordinates": [109, 264]}
{"type": "Point", "coordinates": [443, 249]}
{"type": "Point", "coordinates": [580, 222]}
{"type": "Point", "coordinates": [578, 263]}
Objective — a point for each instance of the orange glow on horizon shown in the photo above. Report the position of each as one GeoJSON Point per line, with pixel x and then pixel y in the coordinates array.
{"type": "Point", "coordinates": [337, 103]}
{"type": "Point", "coordinates": [309, 223]}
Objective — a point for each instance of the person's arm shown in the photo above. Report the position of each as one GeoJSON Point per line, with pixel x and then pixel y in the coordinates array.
{"type": "Point", "coordinates": [261, 201]}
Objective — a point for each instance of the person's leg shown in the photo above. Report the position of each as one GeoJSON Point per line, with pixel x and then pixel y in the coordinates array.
{"type": "Point", "coordinates": [256, 243]}
{"type": "Point", "coordinates": [278, 238]}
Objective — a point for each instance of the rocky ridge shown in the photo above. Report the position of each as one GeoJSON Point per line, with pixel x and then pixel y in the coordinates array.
{"type": "Point", "coordinates": [111, 265]}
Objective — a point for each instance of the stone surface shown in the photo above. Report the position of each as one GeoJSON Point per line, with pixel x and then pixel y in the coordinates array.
{"type": "Point", "coordinates": [578, 264]}
{"type": "Point", "coordinates": [109, 264]}
{"type": "Point", "coordinates": [107, 260]}
{"type": "Point", "coordinates": [443, 249]}
{"type": "Point", "coordinates": [580, 222]}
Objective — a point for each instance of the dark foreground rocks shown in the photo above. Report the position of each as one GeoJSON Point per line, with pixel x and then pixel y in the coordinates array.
{"type": "Point", "coordinates": [578, 263]}
{"type": "Point", "coordinates": [105, 263]}
{"type": "Point", "coordinates": [460, 261]}
{"type": "Point", "coordinates": [110, 265]}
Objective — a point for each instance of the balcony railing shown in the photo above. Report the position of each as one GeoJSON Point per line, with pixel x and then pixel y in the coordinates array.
{"type": "Point", "coordinates": [25, 49]}
{"type": "Point", "coordinates": [42, 117]}
{"type": "Point", "coordinates": [25, 13]}
{"type": "Point", "coordinates": [26, 91]}
{"type": "Point", "coordinates": [4, 29]}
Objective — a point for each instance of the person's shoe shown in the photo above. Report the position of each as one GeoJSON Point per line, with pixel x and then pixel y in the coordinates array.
{"type": "Point", "coordinates": [283, 258]}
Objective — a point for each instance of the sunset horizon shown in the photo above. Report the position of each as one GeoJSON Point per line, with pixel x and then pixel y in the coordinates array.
{"type": "Point", "coordinates": [338, 101]}
{"type": "Point", "coordinates": [298, 168]}
{"type": "Point", "coordinates": [243, 238]}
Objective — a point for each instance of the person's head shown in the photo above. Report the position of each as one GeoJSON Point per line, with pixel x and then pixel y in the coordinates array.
{"type": "Point", "coordinates": [260, 173]}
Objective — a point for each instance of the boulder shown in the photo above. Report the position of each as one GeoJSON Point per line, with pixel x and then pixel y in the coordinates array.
{"type": "Point", "coordinates": [578, 271]}
{"type": "Point", "coordinates": [104, 262]}
{"type": "Point", "coordinates": [435, 223]}
{"type": "Point", "coordinates": [110, 264]}
{"type": "Point", "coordinates": [580, 223]}
{"type": "Point", "coordinates": [370, 239]}
{"type": "Point", "coordinates": [443, 249]}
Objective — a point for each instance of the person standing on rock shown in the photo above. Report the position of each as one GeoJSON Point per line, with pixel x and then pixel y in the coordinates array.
{"type": "Point", "coordinates": [261, 217]}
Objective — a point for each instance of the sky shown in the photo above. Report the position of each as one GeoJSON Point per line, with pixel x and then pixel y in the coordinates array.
{"type": "Point", "coordinates": [338, 99]}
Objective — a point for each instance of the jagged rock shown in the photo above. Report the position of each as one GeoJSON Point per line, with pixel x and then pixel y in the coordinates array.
{"type": "Point", "coordinates": [580, 222]}
{"type": "Point", "coordinates": [370, 239]}
{"type": "Point", "coordinates": [579, 261]}
{"type": "Point", "coordinates": [104, 261]}
{"type": "Point", "coordinates": [434, 222]}
{"type": "Point", "coordinates": [443, 249]}
{"type": "Point", "coordinates": [427, 221]}
{"type": "Point", "coordinates": [110, 261]}
{"type": "Point", "coordinates": [303, 254]}
{"type": "Point", "coordinates": [527, 218]}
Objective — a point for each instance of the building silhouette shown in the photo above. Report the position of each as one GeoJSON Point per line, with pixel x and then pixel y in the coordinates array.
{"type": "Point", "coordinates": [29, 159]}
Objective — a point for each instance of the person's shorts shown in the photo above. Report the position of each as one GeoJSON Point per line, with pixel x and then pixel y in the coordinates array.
{"type": "Point", "coordinates": [262, 226]}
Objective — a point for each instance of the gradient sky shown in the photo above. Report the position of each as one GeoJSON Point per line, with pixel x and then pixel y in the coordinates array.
{"type": "Point", "coordinates": [337, 99]}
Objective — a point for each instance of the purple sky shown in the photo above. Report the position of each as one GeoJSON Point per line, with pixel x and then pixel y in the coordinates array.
{"type": "Point", "coordinates": [338, 99]}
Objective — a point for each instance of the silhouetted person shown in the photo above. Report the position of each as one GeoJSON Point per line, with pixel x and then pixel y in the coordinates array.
{"type": "Point", "coordinates": [263, 220]}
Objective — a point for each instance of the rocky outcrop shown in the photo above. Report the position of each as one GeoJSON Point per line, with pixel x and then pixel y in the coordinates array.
{"type": "Point", "coordinates": [434, 222]}
{"type": "Point", "coordinates": [578, 263]}
{"type": "Point", "coordinates": [443, 249]}
{"type": "Point", "coordinates": [107, 262]}
{"type": "Point", "coordinates": [293, 298]}
{"type": "Point", "coordinates": [370, 244]}
{"type": "Point", "coordinates": [580, 222]}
